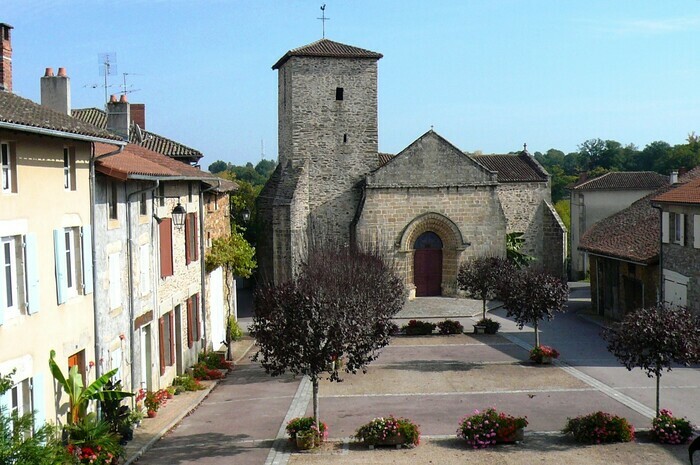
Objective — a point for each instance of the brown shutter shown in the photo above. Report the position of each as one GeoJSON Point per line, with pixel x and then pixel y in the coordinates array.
{"type": "Point", "coordinates": [190, 334]}
{"type": "Point", "coordinates": [195, 249]}
{"type": "Point", "coordinates": [172, 338]}
{"type": "Point", "coordinates": [197, 317]}
{"type": "Point", "coordinates": [166, 248]}
{"type": "Point", "coordinates": [161, 344]}
{"type": "Point", "coordinates": [188, 234]}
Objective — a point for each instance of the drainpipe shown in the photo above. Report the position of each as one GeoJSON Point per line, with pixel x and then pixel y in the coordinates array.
{"type": "Point", "coordinates": [93, 159]}
{"type": "Point", "coordinates": [201, 255]}
{"type": "Point", "coordinates": [129, 258]}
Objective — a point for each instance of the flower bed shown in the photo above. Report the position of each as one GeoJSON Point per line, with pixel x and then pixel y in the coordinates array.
{"type": "Point", "coordinates": [389, 431]}
{"type": "Point", "coordinates": [304, 426]}
{"type": "Point", "coordinates": [671, 430]}
{"type": "Point", "coordinates": [599, 428]}
{"type": "Point", "coordinates": [543, 354]}
{"type": "Point", "coordinates": [490, 326]}
{"type": "Point", "coordinates": [487, 428]}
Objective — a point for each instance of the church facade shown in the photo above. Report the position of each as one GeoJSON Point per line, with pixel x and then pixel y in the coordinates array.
{"type": "Point", "coordinates": [429, 207]}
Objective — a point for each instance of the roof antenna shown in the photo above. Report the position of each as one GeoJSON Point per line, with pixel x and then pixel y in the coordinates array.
{"type": "Point", "coordinates": [323, 19]}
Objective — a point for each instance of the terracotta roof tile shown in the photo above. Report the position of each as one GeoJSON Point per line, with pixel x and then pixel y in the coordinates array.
{"type": "Point", "coordinates": [18, 110]}
{"type": "Point", "coordinates": [139, 136]}
{"type": "Point", "coordinates": [140, 161]}
{"type": "Point", "coordinates": [327, 48]}
{"type": "Point", "coordinates": [687, 193]}
{"type": "Point", "coordinates": [614, 180]}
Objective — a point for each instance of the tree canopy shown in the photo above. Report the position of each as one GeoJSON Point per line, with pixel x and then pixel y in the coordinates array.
{"type": "Point", "coordinates": [481, 277]}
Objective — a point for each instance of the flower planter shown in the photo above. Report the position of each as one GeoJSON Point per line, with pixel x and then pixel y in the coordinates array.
{"type": "Point", "coordinates": [516, 436]}
{"type": "Point", "coordinates": [545, 360]}
{"type": "Point", "coordinates": [479, 329]}
{"type": "Point", "coordinates": [395, 441]}
{"type": "Point", "coordinates": [306, 440]}
{"type": "Point", "coordinates": [151, 414]}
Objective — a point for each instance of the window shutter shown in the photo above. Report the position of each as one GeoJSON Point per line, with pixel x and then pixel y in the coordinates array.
{"type": "Point", "coordinates": [664, 227]}
{"type": "Point", "coordinates": [166, 248]}
{"type": "Point", "coordinates": [188, 239]}
{"type": "Point", "coordinates": [682, 220]}
{"type": "Point", "coordinates": [195, 249]}
{"type": "Point", "coordinates": [38, 401]}
{"type": "Point", "coordinates": [13, 166]}
{"type": "Point", "coordinates": [31, 268]}
{"type": "Point", "coordinates": [172, 337]}
{"type": "Point", "coordinates": [161, 344]}
{"type": "Point", "coordinates": [190, 323]}
{"type": "Point", "coordinates": [696, 231]}
{"type": "Point", "coordinates": [86, 249]}
{"type": "Point", "coordinates": [59, 248]}
{"type": "Point", "coordinates": [3, 303]}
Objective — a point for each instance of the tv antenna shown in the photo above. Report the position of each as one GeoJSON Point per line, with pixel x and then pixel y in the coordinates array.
{"type": "Point", "coordinates": [126, 88]}
{"type": "Point", "coordinates": [323, 19]}
{"type": "Point", "coordinates": [108, 67]}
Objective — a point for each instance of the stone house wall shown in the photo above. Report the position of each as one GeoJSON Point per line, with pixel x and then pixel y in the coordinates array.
{"type": "Point", "coordinates": [522, 205]}
{"type": "Point", "coordinates": [685, 259]}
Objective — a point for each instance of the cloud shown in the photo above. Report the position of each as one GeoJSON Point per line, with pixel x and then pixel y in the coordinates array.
{"type": "Point", "coordinates": [653, 26]}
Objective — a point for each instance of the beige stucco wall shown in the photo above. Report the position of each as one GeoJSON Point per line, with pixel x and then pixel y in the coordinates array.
{"type": "Point", "coordinates": [41, 205]}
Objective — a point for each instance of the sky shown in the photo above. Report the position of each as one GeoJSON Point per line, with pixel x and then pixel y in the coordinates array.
{"type": "Point", "coordinates": [487, 75]}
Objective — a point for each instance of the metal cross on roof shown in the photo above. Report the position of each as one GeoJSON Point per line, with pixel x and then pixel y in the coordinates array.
{"type": "Point", "coordinates": [323, 19]}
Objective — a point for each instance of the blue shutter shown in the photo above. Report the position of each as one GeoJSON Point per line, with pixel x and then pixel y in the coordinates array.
{"type": "Point", "coordinates": [38, 401]}
{"type": "Point", "coordinates": [31, 268]}
{"type": "Point", "coordinates": [59, 248]}
{"type": "Point", "coordinates": [86, 249]}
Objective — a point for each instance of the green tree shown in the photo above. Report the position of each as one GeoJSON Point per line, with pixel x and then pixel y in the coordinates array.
{"type": "Point", "coordinates": [563, 208]}
{"type": "Point", "coordinates": [218, 166]}
{"type": "Point", "coordinates": [481, 277]}
{"type": "Point", "coordinates": [265, 168]}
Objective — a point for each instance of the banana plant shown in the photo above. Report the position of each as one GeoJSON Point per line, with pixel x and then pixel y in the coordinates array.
{"type": "Point", "coordinates": [79, 396]}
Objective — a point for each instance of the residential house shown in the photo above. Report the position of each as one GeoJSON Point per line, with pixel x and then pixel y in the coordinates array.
{"type": "Point", "coordinates": [46, 247]}
{"type": "Point", "coordinates": [624, 256]}
{"type": "Point", "coordinates": [598, 198]}
{"type": "Point", "coordinates": [680, 244]}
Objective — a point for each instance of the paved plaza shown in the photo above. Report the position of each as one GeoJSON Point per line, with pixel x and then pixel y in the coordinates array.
{"type": "Point", "coordinates": [435, 381]}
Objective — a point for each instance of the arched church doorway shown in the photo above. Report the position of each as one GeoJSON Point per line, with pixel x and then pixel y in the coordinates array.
{"type": "Point", "coordinates": [427, 264]}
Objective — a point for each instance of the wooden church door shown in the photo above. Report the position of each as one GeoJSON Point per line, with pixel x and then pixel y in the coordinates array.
{"type": "Point", "coordinates": [427, 264]}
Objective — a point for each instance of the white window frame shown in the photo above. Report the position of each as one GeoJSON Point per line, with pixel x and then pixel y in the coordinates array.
{"type": "Point", "coordinates": [66, 169]}
{"type": "Point", "coordinates": [6, 163]}
{"type": "Point", "coordinates": [71, 268]}
{"type": "Point", "coordinates": [21, 401]}
{"type": "Point", "coordinates": [8, 261]}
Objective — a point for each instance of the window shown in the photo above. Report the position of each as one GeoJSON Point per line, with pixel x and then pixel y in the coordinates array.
{"type": "Point", "coordinates": [115, 282]}
{"type": "Point", "coordinates": [8, 260]}
{"type": "Point", "coordinates": [21, 398]}
{"type": "Point", "coordinates": [166, 339]}
{"type": "Point", "coordinates": [143, 204]}
{"type": "Point", "coordinates": [193, 320]}
{"type": "Point", "coordinates": [68, 168]}
{"type": "Point", "coordinates": [191, 254]}
{"type": "Point", "coordinates": [161, 195]}
{"type": "Point", "coordinates": [339, 93]}
{"type": "Point", "coordinates": [8, 163]}
{"type": "Point", "coordinates": [166, 247]}
{"type": "Point", "coordinates": [677, 228]}
{"type": "Point", "coordinates": [69, 236]}
{"type": "Point", "coordinates": [112, 201]}
{"type": "Point", "coordinates": [19, 280]}
{"type": "Point", "coordinates": [73, 260]}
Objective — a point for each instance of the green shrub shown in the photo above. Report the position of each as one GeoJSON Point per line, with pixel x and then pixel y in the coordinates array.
{"type": "Point", "coordinates": [298, 424]}
{"type": "Point", "coordinates": [487, 428]}
{"type": "Point", "coordinates": [214, 360]}
{"type": "Point", "coordinates": [599, 428]}
{"type": "Point", "coordinates": [492, 326]}
{"type": "Point", "coordinates": [450, 327]}
{"type": "Point", "coordinates": [188, 383]}
{"type": "Point", "coordinates": [386, 429]}
{"type": "Point", "coordinates": [418, 327]}
{"type": "Point", "coordinates": [235, 333]}
{"type": "Point", "coordinates": [671, 430]}
{"type": "Point", "coordinates": [200, 371]}
{"type": "Point", "coordinates": [91, 437]}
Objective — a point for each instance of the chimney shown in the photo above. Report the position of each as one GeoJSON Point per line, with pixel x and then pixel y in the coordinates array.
{"type": "Point", "coordinates": [118, 116]}
{"type": "Point", "coordinates": [55, 91]}
{"type": "Point", "coordinates": [674, 177]}
{"type": "Point", "coordinates": [6, 62]}
{"type": "Point", "coordinates": [138, 114]}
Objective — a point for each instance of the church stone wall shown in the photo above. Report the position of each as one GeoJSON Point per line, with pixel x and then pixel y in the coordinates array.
{"type": "Point", "coordinates": [523, 206]}
{"type": "Point", "coordinates": [554, 242]}
{"type": "Point", "coordinates": [475, 210]}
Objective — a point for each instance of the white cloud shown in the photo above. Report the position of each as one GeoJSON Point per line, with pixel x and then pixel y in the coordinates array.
{"type": "Point", "coordinates": [653, 26]}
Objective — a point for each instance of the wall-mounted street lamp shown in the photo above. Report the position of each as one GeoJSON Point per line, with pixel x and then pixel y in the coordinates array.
{"type": "Point", "coordinates": [245, 214]}
{"type": "Point", "coordinates": [178, 215]}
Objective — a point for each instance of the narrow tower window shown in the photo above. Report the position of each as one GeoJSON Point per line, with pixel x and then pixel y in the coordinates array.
{"type": "Point", "coordinates": [345, 138]}
{"type": "Point", "coordinates": [339, 93]}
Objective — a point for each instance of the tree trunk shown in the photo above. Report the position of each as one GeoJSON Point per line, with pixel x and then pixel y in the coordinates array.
{"type": "Point", "coordinates": [537, 335]}
{"type": "Point", "coordinates": [484, 309]}
{"type": "Point", "coordinates": [314, 382]}
{"type": "Point", "coordinates": [658, 382]}
{"type": "Point", "coordinates": [229, 342]}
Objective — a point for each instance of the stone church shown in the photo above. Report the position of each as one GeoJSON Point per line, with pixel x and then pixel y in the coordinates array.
{"type": "Point", "coordinates": [430, 207]}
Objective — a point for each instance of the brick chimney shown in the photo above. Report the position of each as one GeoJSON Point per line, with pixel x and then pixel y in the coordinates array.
{"type": "Point", "coordinates": [55, 91]}
{"type": "Point", "coordinates": [138, 114]}
{"type": "Point", "coordinates": [6, 62]}
{"type": "Point", "coordinates": [118, 116]}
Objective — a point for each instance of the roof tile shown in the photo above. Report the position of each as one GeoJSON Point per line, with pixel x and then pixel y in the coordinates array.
{"type": "Point", "coordinates": [327, 48]}
{"type": "Point", "coordinates": [614, 180]}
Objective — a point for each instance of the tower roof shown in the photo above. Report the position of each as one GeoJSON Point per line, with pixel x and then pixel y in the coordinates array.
{"type": "Point", "coordinates": [327, 48]}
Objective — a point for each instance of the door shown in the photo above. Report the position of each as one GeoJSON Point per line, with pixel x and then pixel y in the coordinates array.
{"type": "Point", "coordinates": [427, 265]}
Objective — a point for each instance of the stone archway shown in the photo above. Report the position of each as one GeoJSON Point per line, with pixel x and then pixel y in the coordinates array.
{"type": "Point", "coordinates": [452, 246]}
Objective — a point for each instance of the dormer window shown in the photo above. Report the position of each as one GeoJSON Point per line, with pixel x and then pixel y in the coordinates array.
{"type": "Point", "coordinates": [339, 93]}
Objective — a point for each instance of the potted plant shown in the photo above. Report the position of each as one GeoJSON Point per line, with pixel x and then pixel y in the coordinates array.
{"type": "Point", "coordinates": [153, 401]}
{"type": "Point", "coordinates": [490, 427]}
{"type": "Point", "coordinates": [543, 355]}
{"type": "Point", "coordinates": [388, 431]}
{"type": "Point", "coordinates": [490, 326]}
{"type": "Point", "coordinates": [671, 430]}
{"type": "Point", "coordinates": [301, 428]}
{"type": "Point", "coordinates": [599, 427]}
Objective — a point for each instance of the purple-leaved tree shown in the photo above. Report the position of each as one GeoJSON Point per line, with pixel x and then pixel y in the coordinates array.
{"type": "Point", "coordinates": [654, 338]}
{"type": "Point", "coordinates": [338, 307]}
{"type": "Point", "coordinates": [482, 277]}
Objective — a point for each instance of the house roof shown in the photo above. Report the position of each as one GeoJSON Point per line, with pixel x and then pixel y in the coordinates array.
{"type": "Point", "coordinates": [686, 193]}
{"type": "Point", "coordinates": [222, 185]}
{"type": "Point", "coordinates": [327, 48]}
{"type": "Point", "coordinates": [17, 111]}
{"type": "Point", "coordinates": [519, 167]}
{"type": "Point", "coordinates": [617, 180]}
{"type": "Point", "coordinates": [137, 162]}
{"type": "Point", "coordinates": [633, 233]}
{"type": "Point", "coordinates": [147, 139]}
